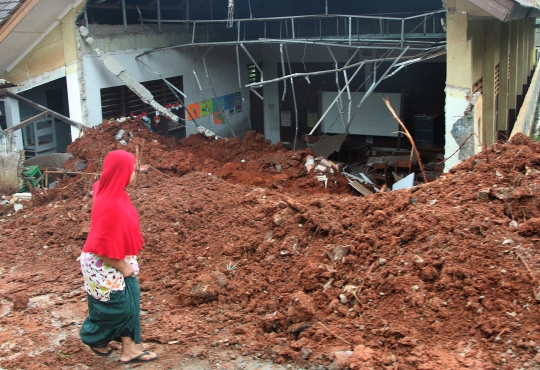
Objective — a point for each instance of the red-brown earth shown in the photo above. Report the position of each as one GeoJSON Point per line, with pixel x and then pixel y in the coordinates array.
{"type": "Point", "coordinates": [250, 262]}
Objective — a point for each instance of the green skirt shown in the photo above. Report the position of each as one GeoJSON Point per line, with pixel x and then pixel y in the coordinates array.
{"type": "Point", "coordinates": [115, 318]}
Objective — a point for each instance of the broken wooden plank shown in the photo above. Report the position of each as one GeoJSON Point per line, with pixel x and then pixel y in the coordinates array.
{"type": "Point", "coordinates": [361, 188]}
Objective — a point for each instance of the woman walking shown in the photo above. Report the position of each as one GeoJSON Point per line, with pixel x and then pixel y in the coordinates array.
{"type": "Point", "coordinates": [109, 264]}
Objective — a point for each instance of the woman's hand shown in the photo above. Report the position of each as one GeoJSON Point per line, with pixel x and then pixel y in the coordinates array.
{"type": "Point", "coordinates": [126, 270]}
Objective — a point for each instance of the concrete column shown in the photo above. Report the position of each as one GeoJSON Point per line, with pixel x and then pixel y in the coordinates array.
{"type": "Point", "coordinates": [503, 76]}
{"type": "Point", "coordinates": [74, 99]}
{"type": "Point", "coordinates": [13, 117]}
{"type": "Point", "coordinates": [272, 98]}
{"type": "Point", "coordinates": [514, 58]}
{"type": "Point", "coordinates": [523, 45]}
{"type": "Point", "coordinates": [459, 51]}
{"type": "Point", "coordinates": [458, 126]}
{"type": "Point", "coordinates": [532, 44]}
{"type": "Point", "coordinates": [491, 59]}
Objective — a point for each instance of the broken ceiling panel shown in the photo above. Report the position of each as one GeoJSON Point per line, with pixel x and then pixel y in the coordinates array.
{"type": "Point", "coordinates": [507, 10]}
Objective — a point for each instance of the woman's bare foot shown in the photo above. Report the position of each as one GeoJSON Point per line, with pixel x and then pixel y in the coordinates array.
{"type": "Point", "coordinates": [130, 353]}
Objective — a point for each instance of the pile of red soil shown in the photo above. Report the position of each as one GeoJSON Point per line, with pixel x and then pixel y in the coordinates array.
{"type": "Point", "coordinates": [440, 276]}
{"type": "Point", "coordinates": [250, 161]}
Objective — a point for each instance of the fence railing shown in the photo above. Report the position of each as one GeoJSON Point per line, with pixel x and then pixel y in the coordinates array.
{"type": "Point", "coordinates": [347, 29]}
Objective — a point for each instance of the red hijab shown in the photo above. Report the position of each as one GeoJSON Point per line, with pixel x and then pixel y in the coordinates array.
{"type": "Point", "coordinates": [114, 222]}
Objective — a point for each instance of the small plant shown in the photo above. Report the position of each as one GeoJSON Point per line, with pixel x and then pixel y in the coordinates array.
{"type": "Point", "coordinates": [62, 355]}
{"type": "Point", "coordinates": [231, 267]}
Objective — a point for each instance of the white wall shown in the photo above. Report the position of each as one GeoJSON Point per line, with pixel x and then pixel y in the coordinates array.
{"type": "Point", "coordinates": [222, 69]}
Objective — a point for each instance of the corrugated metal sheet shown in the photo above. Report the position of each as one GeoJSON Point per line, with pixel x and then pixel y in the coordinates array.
{"type": "Point", "coordinates": [529, 3]}
{"type": "Point", "coordinates": [7, 7]}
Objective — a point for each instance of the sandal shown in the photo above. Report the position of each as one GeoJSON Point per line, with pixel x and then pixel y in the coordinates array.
{"type": "Point", "coordinates": [139, 359]}
{"type": "Point", "coordinates": [102, 354]}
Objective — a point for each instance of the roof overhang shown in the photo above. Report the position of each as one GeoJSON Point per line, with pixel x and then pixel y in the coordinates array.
{"type": "Point", "coordinates": [28, 26]}
{"type": "Point", "coordinates": [509, 10]}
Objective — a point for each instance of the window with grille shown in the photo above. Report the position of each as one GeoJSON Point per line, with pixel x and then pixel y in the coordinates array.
{"type": "Point", "coordinates": [254, 73]}
{"type": "Point", "coordinates": [120, 101]}
{"type": "Point", "coordinates": [477, 87]}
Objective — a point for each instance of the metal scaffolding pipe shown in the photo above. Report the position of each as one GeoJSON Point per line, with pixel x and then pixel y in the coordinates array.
{"type": "Point", "coordinates": [348, 96]}
{"type": "Point", "coordinates": [294, 99]}
{"type": "Point", "coordinates": [124, 17]}
{"type": "Point", "coordinates": [336, 98]}
{"type": "Point", "coordinates": [256, 93]}
{"type": "Point", "coordinates": [174, 90]}
{"type": "Point", "coordinates": [283, 72]}
{"type": "Point", "coordinates": [158, 8]}
{"type": "Point", "coordinates": [347, 84]}
{"type": "Point", "coordinates": [171, 86]}
{"type": "Point", "coordinates": [347, 66]}
{"type": "Point", "coordinates": [199, 84]}
{"type": "Point", "coordinates": [323, 16]}
{"type": "Point", "coordinates": [253, 60]}
{"type": "Point", "coordinates": [238, 67]}
{"type": "Point", "coordinates": [373, 86]}
{"type": "Point", "coordinates": [279, 41]}
{"type": "Point", "coordinates": [350, 30]}
{"type": "Point", "coordinates": [214, 92]}
{"type": "Point", "coordinates": [339, 102]}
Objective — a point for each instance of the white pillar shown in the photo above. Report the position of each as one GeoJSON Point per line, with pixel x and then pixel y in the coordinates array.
{"type": "Point", "coordinates": [272, 97]}
{"type": "Point", "coordinates": [13, 117]}
{"type": "Point", "coordinates": [74, 102]}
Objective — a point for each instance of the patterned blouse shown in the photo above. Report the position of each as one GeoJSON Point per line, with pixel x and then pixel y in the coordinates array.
{"type": "Point", "coordinates": [100, 278]}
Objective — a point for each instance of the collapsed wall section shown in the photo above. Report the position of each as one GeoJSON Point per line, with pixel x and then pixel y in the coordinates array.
{"type": "Point", "coordinates": [221, 73]}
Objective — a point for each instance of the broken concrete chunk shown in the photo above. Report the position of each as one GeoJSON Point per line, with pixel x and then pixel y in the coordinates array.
{"type": "Point", "coordinates": [84, 31]}
{"type": "Point", "coordinates": [310, 163]}
{"type": "Point", "coordinates": [119, 135]}
{"type": "Point", "coordinates": [113, 66]}
{"type": "Point", "coordinates": [483, 194]}
{"type": "Point", "coordinates": [282, 216]}
{"type": "Point", "coordinates": [337, 253]}
{"type": "Point", "coordinates": [321, 168]}
{"type": "Point", "coordinates": [323, 178]}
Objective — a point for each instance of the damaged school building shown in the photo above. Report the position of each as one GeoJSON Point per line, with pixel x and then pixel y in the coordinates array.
{"type": "Point", "coordinates": [459, 73]}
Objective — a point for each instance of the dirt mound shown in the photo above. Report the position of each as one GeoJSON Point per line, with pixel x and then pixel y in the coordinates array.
{"type": "Point", "coordinates": [250, 161]}
{"type": "Point", "coordinates": [443, 275]}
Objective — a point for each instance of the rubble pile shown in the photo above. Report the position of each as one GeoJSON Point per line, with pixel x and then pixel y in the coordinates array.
{"type": "Point", "coordinates": [250, 161]}
{"type": "Point", "coordinates": [441, 275]}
